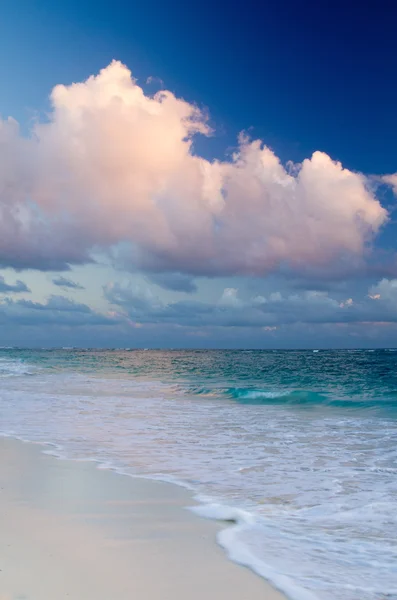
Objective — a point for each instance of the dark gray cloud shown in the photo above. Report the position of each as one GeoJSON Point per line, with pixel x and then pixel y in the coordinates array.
{"type": "Point", "coordinates": [63, 282]}
{"type": "Point", "coordinates": [15, 288]}
{"type": "Point", "coordinates": [177, 282]}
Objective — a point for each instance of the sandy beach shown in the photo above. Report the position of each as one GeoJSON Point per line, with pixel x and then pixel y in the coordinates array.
{"type": "Point", "coordinates": [70, 530]}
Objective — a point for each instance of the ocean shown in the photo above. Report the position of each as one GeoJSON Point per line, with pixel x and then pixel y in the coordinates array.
{"type": "Point", "coordinates": [295, 450]}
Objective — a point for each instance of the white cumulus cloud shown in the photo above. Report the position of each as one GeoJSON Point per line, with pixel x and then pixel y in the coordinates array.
{"type": "Point", "coordinates": [115, 167]}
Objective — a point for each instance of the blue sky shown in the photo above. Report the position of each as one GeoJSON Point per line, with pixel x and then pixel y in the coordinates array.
{"type": "Point", "coordinates": [261, 257]}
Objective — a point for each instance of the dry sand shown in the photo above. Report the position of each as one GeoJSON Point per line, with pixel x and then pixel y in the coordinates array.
{"type": "Point", "coordinates": [70, 530]}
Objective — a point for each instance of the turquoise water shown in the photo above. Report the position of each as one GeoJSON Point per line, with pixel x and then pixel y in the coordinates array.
{"type": "Point", "coordinates": [299, 448]}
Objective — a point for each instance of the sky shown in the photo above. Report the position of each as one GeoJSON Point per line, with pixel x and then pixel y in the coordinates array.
{"type": "Point", "coordinates": [216, 176]}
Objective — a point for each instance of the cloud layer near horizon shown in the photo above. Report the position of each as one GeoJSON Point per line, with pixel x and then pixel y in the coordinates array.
{"type": "Point", "coordinates": [141, 306]}
{"type": "Point", "coordinates": [138, 307]}
{"type": "Point", "coordinates": [114, 170]}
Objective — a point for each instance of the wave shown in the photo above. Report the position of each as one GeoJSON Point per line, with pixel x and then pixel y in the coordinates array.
{"type": "Point", "coordinates": [300, 397]}
{"type": "Point", "coordinates": [380, 397]}
{"type": "Point", "coordinates": [240, 521]}
{"type": "Point", "coordinates": [310, 398]}
{"type": "Point", "coordinates": [14, 368]}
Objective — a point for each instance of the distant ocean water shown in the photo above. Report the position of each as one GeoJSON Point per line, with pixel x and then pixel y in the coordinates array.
{"type": "Point", "coordinates": [298, 447]}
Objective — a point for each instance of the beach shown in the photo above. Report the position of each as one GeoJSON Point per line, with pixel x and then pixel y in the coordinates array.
{"type": "Point", "coordinates": [296, 484]}
{"type": "Point", "coordinates": [71, 530]}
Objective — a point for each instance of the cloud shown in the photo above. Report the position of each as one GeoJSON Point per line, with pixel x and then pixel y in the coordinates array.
{"type": "Point", "coordinates": [177, 282]}
{"type": "Point", "coordinates": [16, 288]}
{"type": "Point", "coordinates": [67, 283]}
{"type": "Point", "coordinates": [57, 310]}
{"type": "Point", "coordinates": [273, 310]}
{"type": "Point", "coordinates": [155, 81]}
{"type": "Point", "coordinates": [114, 168]}
{"type": "Point", "coordinates": [386, 291]}
{"type": "Point", "coordinates": [391, 180]}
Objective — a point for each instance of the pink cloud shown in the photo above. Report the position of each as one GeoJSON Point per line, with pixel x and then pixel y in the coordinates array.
{"type": "Point", "coordinates": [114, 166]}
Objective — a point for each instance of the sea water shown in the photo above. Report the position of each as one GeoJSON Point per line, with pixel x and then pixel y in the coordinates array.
{"type": "Point", "coordinates": [297, 448]}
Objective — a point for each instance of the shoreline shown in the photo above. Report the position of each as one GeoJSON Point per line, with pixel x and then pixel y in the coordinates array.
{"type": "Point", "coordinates": [72, 530]}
